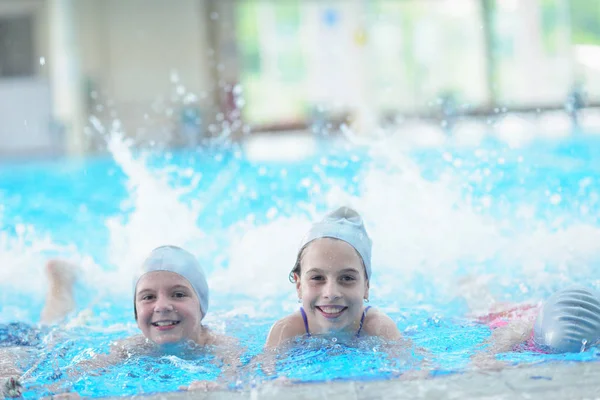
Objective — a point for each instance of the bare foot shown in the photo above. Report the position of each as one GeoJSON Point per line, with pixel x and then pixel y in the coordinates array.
{"type": "Point", "coordinates": [61, 273]}
{"type": "Point", "coordinates": [59, 300]}
{"type": "Point", "coordinates": [11, 388]}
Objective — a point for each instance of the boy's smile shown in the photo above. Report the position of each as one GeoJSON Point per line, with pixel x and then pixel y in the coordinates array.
{"type": "Point", "coordinates": [168, 310]}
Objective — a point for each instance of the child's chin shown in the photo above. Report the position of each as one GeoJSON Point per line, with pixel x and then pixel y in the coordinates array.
{"type": "Point", "coordinates": [167, 339]}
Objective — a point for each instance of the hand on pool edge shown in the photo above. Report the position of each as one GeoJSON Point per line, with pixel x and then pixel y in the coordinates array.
{"type": "Point", "coordinates": [205, 386]}
{"type": "Point", "coordinates": [11, 388]}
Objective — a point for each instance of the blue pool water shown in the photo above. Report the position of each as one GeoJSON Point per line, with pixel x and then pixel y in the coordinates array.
{"type": "Point", "coordinates": [519, 222]}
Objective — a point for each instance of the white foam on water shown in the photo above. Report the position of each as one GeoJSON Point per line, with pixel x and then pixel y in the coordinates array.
{"type": "Point", "coordinates": [154, 215]}
{"type": "Point", "coordinates": [420, 228]}
{"type": "Point", "coordinates": [590, 121]}
{"type": "Point", "coordinates": [23, 258]}
{"type": "Point", "coordinates": [516, 131]}
{"type": "Point", "coordinates": [469, 132]}
{"type": "Point", "coordinates": [556, 125]}
{"type": "Point", "coordinates": [282, 146]}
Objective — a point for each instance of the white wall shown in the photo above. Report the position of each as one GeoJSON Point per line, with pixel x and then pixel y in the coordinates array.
{"type": "Point", "coordinates": [130, 51]}
{"type": "Point", "coordinates": [25, 103]}
{"type": "Point", "coordinates": [25, 118]}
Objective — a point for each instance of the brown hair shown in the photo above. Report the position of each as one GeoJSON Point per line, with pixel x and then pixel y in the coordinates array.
{"type": "Point", "coordinates": [297, 269]}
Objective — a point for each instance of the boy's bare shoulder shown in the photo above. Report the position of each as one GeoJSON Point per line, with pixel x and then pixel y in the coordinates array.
{"type": "Point", "coordinates": [130, 345]}
{"type": "Point", "coordinates": [221, 340]}
{"type": "Point", "coordinates": [285, 329]}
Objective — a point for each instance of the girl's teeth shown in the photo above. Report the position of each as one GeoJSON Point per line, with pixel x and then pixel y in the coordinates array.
{"type": "Point", "coordinates": [331, 310]}
{"type": "Point", "coordinates": [164, 323]}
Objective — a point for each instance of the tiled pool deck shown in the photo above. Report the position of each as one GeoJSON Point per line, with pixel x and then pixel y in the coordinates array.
{"type": "Point", "coordinates": [549, 381]}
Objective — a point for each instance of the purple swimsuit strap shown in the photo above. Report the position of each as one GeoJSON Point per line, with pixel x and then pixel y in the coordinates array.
{"type": "Point", "coordinates": [362, 320]}
{"type": "Point", "coordinates": [305, 321]}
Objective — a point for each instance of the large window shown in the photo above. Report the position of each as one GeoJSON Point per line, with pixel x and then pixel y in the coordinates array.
{"type": "Point", "coordinates": [16, 47]}
{"type": "Point", "coordinates": [585, 23]}
{"type": "Point", "coordinates": [403, 56]}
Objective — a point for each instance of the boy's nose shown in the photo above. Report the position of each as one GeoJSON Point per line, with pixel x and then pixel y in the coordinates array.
{"type": "Point", "coordinates": [163, 305]}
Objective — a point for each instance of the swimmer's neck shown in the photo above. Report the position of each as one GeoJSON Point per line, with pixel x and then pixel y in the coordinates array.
{"type": "Point", "coordinates": [204, 337]}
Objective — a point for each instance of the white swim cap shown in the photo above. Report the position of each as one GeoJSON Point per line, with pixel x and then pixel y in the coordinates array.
{"type": "Point", "coordinates": [344, 224]}
{"type": "Point", "coordinates": [569, 321]}
{"type": "Point", "coordinates": [177, 260]}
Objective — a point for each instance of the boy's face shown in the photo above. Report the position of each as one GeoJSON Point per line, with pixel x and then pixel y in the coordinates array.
{"type": "Point", "coordinates": [168, 310]}
{"type": "Point", "coordinates": [332, 285]}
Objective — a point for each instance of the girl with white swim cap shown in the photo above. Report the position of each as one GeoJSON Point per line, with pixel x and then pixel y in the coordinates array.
{"type": "Point", "coordinates": [332, 274]}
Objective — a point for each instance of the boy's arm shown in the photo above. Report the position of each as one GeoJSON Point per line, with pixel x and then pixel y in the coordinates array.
{"type": "Point", "coordinates": [229, 353]}
{"type": "Point", "coordinates": [118, 352]}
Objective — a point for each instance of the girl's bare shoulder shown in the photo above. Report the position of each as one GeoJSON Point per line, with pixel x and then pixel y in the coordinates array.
{"type": "Point", "coordinates": [286, 328]}
{"type": "Point", "coordinates": [378, 323]}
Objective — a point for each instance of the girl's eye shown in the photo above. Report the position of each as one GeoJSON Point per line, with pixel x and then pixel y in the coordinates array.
{"type": "Point", "coordinates": [316, 278]}
{"type": "Point", "coordinates": [179, 294]}
{"type": "Point", "coordinates": [348, 278]}
{"type": "Point", "coordinates": [147, 297]}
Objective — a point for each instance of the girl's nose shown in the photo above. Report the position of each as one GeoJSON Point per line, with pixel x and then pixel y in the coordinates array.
{"type": "Point", "coordinates": [331, 290]}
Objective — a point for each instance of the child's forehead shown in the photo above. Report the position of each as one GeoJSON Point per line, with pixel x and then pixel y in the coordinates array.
{"type": "Point", "coordinates": [328, 249]}
{"type": "Point", "coordinates": [161, 279]}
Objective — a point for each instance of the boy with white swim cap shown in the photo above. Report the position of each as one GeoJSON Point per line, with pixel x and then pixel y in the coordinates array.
{"type": "Point", "coordinates": [171, 298]}
{"type": "Point", "coordinates": [332, 274]}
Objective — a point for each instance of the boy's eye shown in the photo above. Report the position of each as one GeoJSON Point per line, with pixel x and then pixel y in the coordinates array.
{"type": "Point", "coordinates": [316, 278]}
{"type": "Point", "coordinates": [348, 278]}
{"type": "Point", "coordinates": [147, 297]}
{"type": "Point", "coordinates": [179, 294]}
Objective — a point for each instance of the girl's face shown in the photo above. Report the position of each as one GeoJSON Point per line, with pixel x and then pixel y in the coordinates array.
{"type": "Point", "coordinates": [332, 285]}
{"type": "Point", "coordinates": [168, 310]}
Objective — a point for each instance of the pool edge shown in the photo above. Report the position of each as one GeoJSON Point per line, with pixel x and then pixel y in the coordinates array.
{"type": "Point", "coordinates": [548, 381]}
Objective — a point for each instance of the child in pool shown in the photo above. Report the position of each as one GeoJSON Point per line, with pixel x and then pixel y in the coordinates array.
{"type": "Point", "coordinates": [331, 274]}
{"type": "Point", "coordinates": [567, 322]}
{"type": "Point", "coordinates": [170, 301]}
{"type": "Point", "coordinates": [18, 341]}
